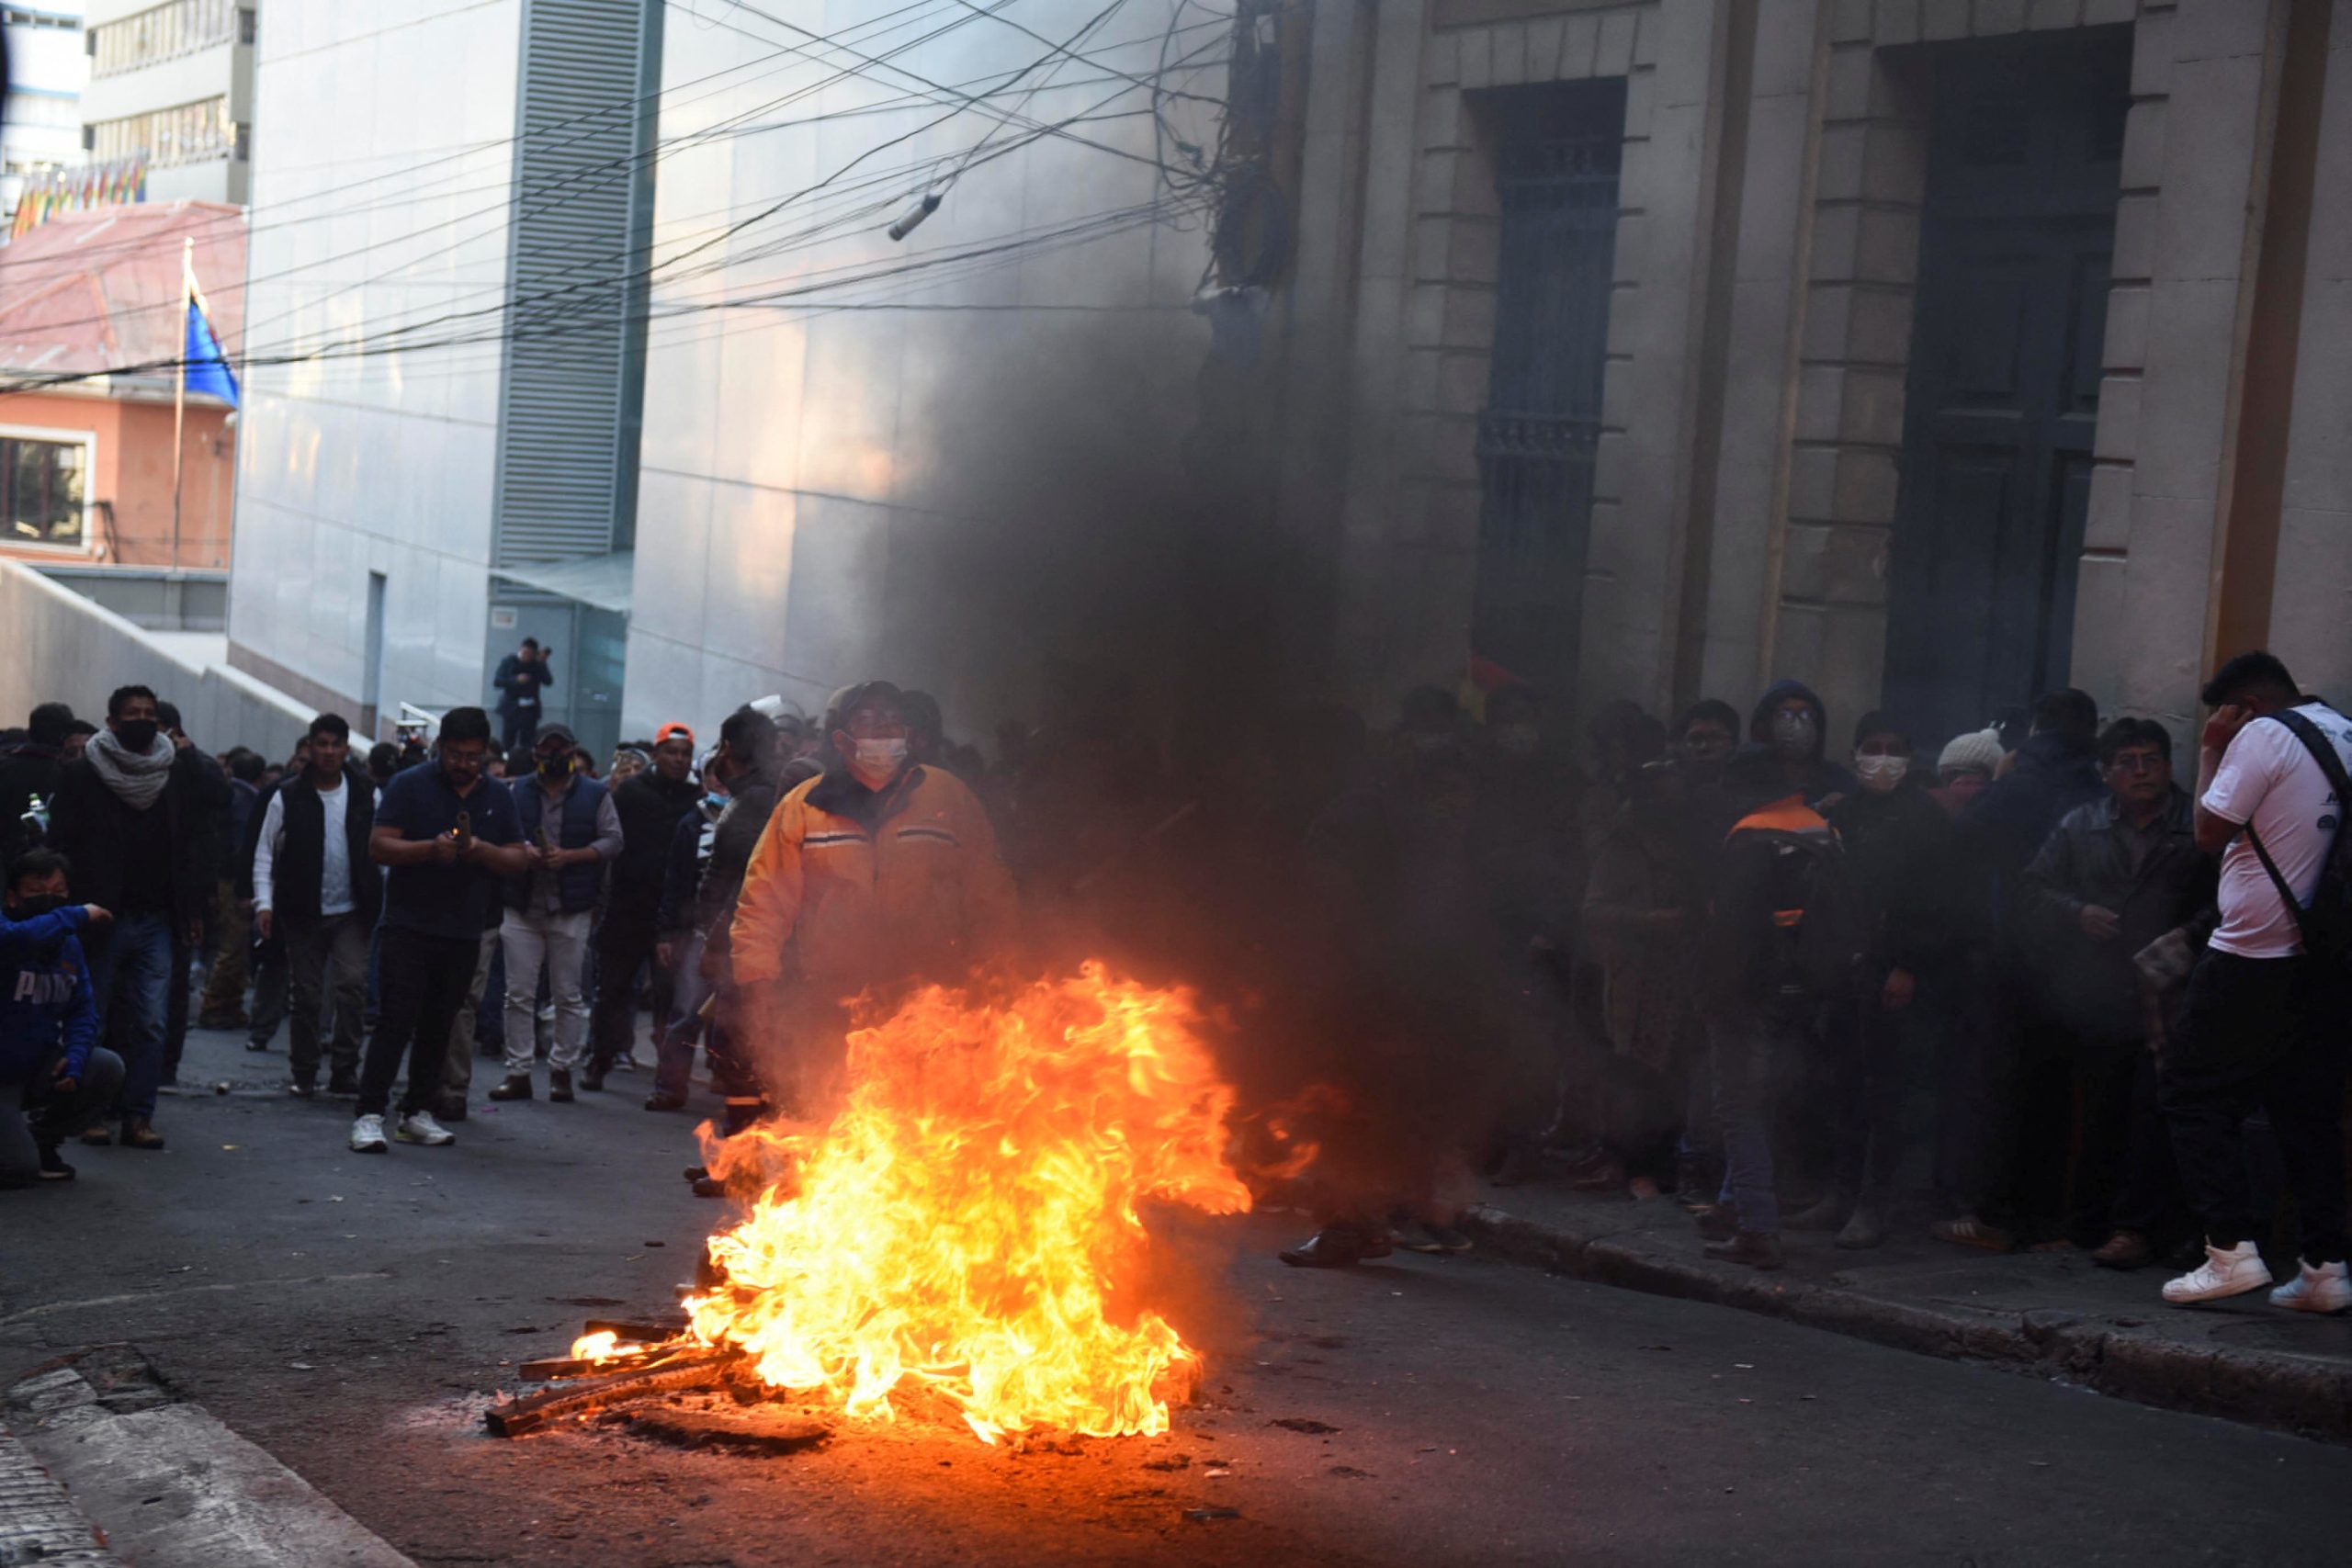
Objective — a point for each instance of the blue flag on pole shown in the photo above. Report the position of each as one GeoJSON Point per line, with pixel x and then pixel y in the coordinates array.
{"type": "Point", "coordinates": [207, 368]}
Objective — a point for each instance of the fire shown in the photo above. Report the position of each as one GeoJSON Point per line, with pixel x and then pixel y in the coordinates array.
{"type": "Point", "coordinates": [967, 1223]}
{"type": "Point", "coordinates": [601, 1346]}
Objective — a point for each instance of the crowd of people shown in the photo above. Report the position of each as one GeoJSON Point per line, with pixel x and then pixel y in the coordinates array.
{"type": "Point", "coordinates": [2021, 989]}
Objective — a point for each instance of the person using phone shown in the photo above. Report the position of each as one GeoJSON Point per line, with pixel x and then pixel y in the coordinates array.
{"type": "Point", "coordinates": [2262, 1024]}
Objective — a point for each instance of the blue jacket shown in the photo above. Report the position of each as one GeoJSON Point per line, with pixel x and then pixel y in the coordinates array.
{"type": "Point", "coordinates": [45, 997]}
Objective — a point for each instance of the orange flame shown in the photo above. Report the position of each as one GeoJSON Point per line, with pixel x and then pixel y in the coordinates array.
{"type": "Point", "coordinates": [967, 1223]}
{"type": "Point", "coordinates": [601, 1346]}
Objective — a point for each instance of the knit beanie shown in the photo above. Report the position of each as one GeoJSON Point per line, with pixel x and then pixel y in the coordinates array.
{"type": "Point", "coordinates": [1979, 748]}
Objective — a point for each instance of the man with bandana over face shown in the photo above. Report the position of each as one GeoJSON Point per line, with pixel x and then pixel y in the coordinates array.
{"type": "Point", "coordinates": [879, 873]}
{"type": "Point", "coordinates": [127, 816]}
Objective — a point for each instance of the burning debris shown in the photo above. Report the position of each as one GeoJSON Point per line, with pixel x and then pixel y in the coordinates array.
{"type": "Point", "coordinates": [965, 1230]}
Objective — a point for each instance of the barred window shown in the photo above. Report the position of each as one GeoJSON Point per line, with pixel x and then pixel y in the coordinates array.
{"type": "Point", "coordinates": [165, 32]}
{"type": "Point", "coordinates": [40, 491]}
{"type": "Point", "coordinates": [189, 133]}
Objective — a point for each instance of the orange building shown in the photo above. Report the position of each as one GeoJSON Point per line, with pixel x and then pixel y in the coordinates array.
{"type": "Point", "coordinates": [92, 317]}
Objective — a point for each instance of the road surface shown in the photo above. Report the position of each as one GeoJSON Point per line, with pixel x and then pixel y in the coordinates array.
{"type": "Point", "coordinates": [352, 1315]}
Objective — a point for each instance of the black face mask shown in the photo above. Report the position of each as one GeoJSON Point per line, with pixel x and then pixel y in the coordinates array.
{"type": "Point", "coordinates": [556, 767]}
{"type": "Point", "coordinates": [41, 904]}
{"type": "Point", "coordinates": [138, 734]}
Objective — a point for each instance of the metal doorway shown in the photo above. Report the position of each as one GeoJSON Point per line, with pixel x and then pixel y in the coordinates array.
{"type": "Point", "coordinates": [2017, 242]}
{"type": "Point", "coordinates": [1555, 155]}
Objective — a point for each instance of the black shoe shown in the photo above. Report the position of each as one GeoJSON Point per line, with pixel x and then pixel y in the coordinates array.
{"type": "Point", "coordinates": [660, 1101]}
{"type": "Point", "coordinates": [1716, 1222]}
{"type": "Point", "coordinates": [451, 1109]}
{"type": "Point", "coordinates": [591, 1078]}
{"type": "Point", "coordinates": [517, 1086]}
{"type": "Point", "coordinates": [342, 1086]}
{"type": "Point", "coordinates": [1336, 1246]}
{"type": "Point", "coordinates": [256, 1045]}
{"type": "Point", "coordinates": [302, 1089]}
{"type": "Point", "coordinates": [560, 1086]}
{"type": "Point", "coordinates": [1752, 1247]}
{"type": "Point", "coordinates": [52, 1165]}
{"type": "Point", "coordinates": [709, 1186]}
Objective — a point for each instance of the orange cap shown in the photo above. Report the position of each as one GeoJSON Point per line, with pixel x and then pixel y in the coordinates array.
{"type": "Point", "coordinates": [673, 731]}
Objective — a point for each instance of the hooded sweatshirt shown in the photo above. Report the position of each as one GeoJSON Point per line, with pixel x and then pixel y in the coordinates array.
{"type": "Point", "coordinates": [45, 998]}
{"type": "Point", "coordinates": [1824, 778]}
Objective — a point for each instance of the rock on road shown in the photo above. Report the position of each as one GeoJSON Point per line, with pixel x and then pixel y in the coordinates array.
{"type": "Point", "coordinates": [349, 1314]}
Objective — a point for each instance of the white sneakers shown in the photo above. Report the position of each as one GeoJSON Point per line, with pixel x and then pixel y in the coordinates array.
{"type": "Point", "coordinates": [417, 1127]}
{"type": "Point", "coordinates": [2227, 1272]}
{"type": "Point", "coordinates": [2327, 1288]}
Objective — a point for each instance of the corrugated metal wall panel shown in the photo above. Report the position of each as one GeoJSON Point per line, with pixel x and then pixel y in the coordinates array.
{"type": "Point", "coordinates": [567, 461]}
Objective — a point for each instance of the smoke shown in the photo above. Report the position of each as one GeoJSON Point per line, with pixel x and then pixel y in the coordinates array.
{"type": "Point", "coordinates": [1100, 573]}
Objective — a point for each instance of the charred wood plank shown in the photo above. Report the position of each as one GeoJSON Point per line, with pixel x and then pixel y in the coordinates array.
{"type": "Point", "coordinates": [535, 1411]}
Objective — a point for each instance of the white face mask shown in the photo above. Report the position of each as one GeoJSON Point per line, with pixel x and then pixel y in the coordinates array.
{"type": "Point", "coordinates": [1881, 774]}
{"type": "Point", "coordinates": [876, 761]}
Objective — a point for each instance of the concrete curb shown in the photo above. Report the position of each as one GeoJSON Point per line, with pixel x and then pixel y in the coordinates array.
{"type": "Point", "coordinates": [2311, 1398]}
{"type": "Point", "coordinates": [39, 1523]}
{"type": "Point", "coordinates": [167, 1483]}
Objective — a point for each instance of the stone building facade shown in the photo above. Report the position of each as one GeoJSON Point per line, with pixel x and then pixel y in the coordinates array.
{"type": "Point", "coordinates": [1951, 349]}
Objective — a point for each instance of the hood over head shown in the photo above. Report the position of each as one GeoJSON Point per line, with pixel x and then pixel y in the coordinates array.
{"type": "Point", "coordinates": [1760, 720]}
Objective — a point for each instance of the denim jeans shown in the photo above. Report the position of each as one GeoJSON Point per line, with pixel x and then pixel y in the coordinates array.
{"type": "Point", "coordinates": [1751, 1049]}
{"type": "Point", "coordinates": [674, 1053]}
{"type": "Point", "coordinates": [131, 973]}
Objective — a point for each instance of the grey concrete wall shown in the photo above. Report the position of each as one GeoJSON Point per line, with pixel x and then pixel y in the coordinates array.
{"type": "Point", "coordinates": [63, 648]}
{"type": "Point", "coordinates": [2311, 606]}
{"type": "Point", "coordinates": [2142, 607]}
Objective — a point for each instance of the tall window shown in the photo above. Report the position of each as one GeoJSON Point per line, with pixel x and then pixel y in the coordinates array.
{"type": "Point", "coordinates": [188, 133]}
{"type": "Point", "coordinates": [165, 32]}
{"type": "Point", "coordinates": [40, 490]}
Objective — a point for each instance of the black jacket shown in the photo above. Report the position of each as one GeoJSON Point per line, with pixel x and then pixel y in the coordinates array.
{"type": "Point", "coordinates": [682, 875]}
{"type": "Point", "coordinates": [512, 692]}
{"type": "Point", "coordinates": [88, 822]}
{"type": "Point", "coordinates": [2086, 860]}
{"type": "Point", "coordinates": [301, 858]}
{"type": "Point", "coordinates": [740, 827]}
{"type": "Point", "coordinates": [1903, 849]}
{"type": "Point", "coordinates": [27, 770]}
{"type": "Point", "coordinates": [650, 809]}
{"type": "Point", "coordinates": [2006, 826]}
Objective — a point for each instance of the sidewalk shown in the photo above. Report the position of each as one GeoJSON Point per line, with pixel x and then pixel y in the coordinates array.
{"type": "Point", "coordinates": [2054, 1315]}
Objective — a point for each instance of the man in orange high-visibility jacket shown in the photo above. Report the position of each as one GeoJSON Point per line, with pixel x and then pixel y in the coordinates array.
{"type": "Point", "coordinates": [881, 871]}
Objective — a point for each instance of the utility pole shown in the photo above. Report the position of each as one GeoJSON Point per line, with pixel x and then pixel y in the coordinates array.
{"type": "Point", "coordinates": [179, 393]}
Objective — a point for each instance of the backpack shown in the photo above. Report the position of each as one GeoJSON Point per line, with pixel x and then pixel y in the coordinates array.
{"type": "Point", "coordinates": [2326, 922]}
{"type": "Point", "coordinates": [1815, 935]}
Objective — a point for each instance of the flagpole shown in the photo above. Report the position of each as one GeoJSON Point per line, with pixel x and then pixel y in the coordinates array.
{"type": "Point", "coordinates": [179, 393]}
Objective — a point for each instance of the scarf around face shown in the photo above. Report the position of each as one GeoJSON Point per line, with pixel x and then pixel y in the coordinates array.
{"type": "Point", "coordinates": [136, 778]}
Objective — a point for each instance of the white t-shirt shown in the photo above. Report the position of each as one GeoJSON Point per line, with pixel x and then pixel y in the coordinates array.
{"type": "Point", "coordinates": [334, 875]}
{"type": "Point", "coordinates": [2268, 779]}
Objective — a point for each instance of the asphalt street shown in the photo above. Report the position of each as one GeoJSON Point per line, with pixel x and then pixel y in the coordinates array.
{"type": "Point", "coordinates": [352, 1315]}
